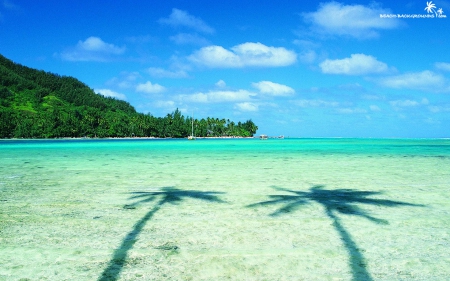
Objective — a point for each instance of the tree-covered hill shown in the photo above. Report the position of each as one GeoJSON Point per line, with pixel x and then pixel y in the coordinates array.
{"type": "Point", "coordinates": [38, 104]}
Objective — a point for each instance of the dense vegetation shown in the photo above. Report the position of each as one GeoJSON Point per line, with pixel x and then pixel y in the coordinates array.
{"type": "Point", "coordinates": [38, 104]}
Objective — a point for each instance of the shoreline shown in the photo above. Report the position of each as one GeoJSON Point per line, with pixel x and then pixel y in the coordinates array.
{"type": "Point", "coordinates": [226, 137]}
{"type": "Point", "coordinates": [126, 138]}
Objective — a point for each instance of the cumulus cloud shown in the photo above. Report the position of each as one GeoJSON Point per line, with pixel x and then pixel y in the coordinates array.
{"type": "Point", "coordinates": [182, 18]}
{"type": "Point", "coordinates": [356, 64]}
{"type": "Point", "coordinates": [221, 84]}
{"type": "Point", "coordinates": [442, 66]}
{"type": "Point", "coordinates": [216, 56]}
{"type": "Point", "coordinates": [109, 93]}
{"type": "Point", "coordinates": [219, 96]}
{"type": "Point", "coordinates": [92, 49]}
{"type": "Point", "coordinates": [425, 81]}
{"type": "Point", "coordinates": [274, 89]}
{"type": "Point", "coordinates": [246, 106]}
{"type": "Point", "coordinates": [247, 54]}
{"type": "Point", "coordinates": [358, 21]}
{"type": "Point", "coordinates": [150, 88]}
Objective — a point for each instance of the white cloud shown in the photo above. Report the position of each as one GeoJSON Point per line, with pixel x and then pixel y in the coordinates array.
{"type": "Point", "coordinates": [92, 49]}
{"type": "Point", "coordinates": [356, 21]}
{"type": "Point", "coordinates": [261, 55]}
{"type": "Point", "coordinates": [150, 88]}
{"type": "Point", "coordinates": [425, 80]}
{"type": "Point", "coordinates": [183, 18]}
{"type": "Point", "coordinates": [351, 110]}
{"type": "Point", "coordinates": [109, 93]}
{"type": "Point", "coordinates": [442, 66]}
{"type": "Point", "coordinates": [439, 108]}
{"type": "Point", "coordinates": [404, 103]}
{"type": "Point", "coordinates": [357, 64]}
{"type": "Point", "coordinates": [274, 89]}
{"type": "Point", "coordinates": [163, 73]}
{"type": "Point", "coordinates": [308, 56]}
{"type": "Point", "coordinates": [216, 56]}
{"type": "Point", "coordinates": [247, 54]}
{"type": "Point", "coordinates": [375, 108]}
{"type": "Point", "coordinates": [96, 44]}
{"type": "Point", "coordinates": [221, 84]}
{"type": "Point", "coordinates": [219, 96]}
{"type": "Point", "coordinates": [186, 38]}
{"type": "Point", "coordinates": [408, 103]}
{"type": "Point", "coordinates": [246, 106]}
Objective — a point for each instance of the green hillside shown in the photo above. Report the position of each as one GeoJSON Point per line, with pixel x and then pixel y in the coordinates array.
{"type": "Point", "coordinates": [38, 104]}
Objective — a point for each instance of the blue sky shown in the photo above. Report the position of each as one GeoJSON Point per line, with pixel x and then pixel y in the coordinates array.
{"type": "Point", "coordinates": [316, 69]}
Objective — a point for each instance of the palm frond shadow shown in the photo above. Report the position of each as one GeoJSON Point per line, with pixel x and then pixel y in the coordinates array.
{"type": "Point", "coordinates": [335, 201]}
{"type": "Point", "coordinates": [167, 195]}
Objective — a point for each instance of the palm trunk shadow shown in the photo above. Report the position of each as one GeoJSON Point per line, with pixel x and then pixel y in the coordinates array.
{"type": "Point", "coordinates": [169, 195]}
{"type": "Point", "coordinates": [357, 261]}
{"type": "Point", "coordinates": [117, 262]}
{"type": "Point", "coordinates": [336, 201]}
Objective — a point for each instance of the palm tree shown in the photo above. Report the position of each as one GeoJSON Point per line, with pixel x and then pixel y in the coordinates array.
{"type": "Point", "coordinates": [440, 11]}
{"type": "Point", "coordinates": [430, 7]}
{"type": "Point", "coordinates": [168, 195]}
{"type": "Point", "coordinates": [338, 201]}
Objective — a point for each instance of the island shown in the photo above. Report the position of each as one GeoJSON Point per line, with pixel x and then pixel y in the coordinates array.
{"type": "Point", "coordinates": [39, 104]}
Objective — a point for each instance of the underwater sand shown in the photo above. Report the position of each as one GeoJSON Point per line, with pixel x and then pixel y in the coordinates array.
{"type": "Point", "coordinates": [292, 209]}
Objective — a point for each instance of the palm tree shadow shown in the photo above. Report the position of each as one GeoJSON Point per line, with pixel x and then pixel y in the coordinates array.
{"type": "Point", "coordinates": [167, 195]}
{"type": "Point", "coordinates": [337, 201]}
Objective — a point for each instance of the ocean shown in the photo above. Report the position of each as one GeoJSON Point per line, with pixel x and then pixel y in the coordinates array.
{"type": "Point", "coordinates": [225, 209]}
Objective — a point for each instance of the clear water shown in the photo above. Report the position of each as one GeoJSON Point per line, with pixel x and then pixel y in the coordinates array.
{"type": "Point", "coordinates": [225, 209]}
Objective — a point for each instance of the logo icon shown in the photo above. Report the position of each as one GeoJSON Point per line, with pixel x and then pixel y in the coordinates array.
{"type": "Point", "coordinates": [431, 9]}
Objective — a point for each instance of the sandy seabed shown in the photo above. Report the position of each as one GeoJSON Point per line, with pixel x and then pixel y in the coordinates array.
{"type": "Point", "coordinates": [98, 215]}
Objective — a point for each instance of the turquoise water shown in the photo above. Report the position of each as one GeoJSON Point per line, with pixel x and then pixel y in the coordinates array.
{"type": "Point", "coordinates": [225, 209]}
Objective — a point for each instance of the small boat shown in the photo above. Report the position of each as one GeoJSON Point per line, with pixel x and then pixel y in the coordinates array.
{"type": "Point", "coordinates": [191, 137]}
{"type": "Point", "coordinates": [263, 137]}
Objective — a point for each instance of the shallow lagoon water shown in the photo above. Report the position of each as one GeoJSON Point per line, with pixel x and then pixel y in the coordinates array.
{"type": "Point", "coordinates": [226, 209]}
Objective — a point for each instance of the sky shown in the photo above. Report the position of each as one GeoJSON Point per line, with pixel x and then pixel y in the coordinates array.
{"type": "Point", "coordinates": [295, 68]}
